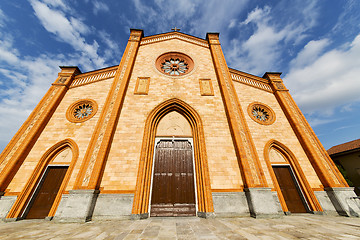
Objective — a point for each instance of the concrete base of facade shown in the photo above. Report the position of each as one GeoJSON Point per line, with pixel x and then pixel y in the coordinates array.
{"type": "Point", "coordinates": [6, 203]}
{"type": "Point", "coordinates": [261, 203]}
{"type": "Point", "coordinates": [325, 203]}
{"type": "Point", "coordinates": [77, 206]}
{"type": "Point", "coordinates": [230, 204]}
{"type": "Point", "coordinates": [345, 201]}
{"type": "Point", "coordinates": [113, 206]}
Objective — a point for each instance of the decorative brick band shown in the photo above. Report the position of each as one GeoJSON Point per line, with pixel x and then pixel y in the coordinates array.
{"type": "Point", "coordinates": [97, 76]}
{"type": "Point", "coordinates": [251, 82]}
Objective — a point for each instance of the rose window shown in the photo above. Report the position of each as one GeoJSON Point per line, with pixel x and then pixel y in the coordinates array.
{"type": "Point", "coordinates": [261, 113]}
{"type": "Point", "coordinates": [174, 64]}
{"type": "Point", "coordinates": [81, 110]}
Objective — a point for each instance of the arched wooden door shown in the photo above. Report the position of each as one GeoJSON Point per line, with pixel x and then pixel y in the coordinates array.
{"type": "Point", "coordinates": [46, 192]}
{"type": "Point", "coordinates": [290, 189]}
{"type": "Point", "coordinates": [173, 191]}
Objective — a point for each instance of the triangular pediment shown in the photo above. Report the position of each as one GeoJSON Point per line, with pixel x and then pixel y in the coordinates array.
{"type": "Point", "coordinates": [174, 35]}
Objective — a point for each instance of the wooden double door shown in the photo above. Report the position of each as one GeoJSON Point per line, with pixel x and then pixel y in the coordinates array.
{"type": "Point", "coordinates": [173, 191]}
{"type": "Point", "coordinates": [46, 192]}
{"type": "Point", "coordinates": [290, 189]}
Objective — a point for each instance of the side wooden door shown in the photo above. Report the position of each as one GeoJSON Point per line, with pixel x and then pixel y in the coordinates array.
{"type": "Point", "coordinates": [46, 192]}
{"type": "Point", "coordinates": [173, 191]}
{"type": "Point", "coordinates": [289, 189]}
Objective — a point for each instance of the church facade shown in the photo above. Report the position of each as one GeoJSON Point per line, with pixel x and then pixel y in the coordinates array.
{"type": "Point", "coordinates": [170, 131]}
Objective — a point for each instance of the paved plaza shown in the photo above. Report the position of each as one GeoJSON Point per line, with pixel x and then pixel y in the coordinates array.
{"type": "Point", "coordinates": [303, 226]}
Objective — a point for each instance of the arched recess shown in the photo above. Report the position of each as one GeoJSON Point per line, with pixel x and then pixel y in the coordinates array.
{"type": "Point", "coordinates": [25, 196]}
{"type": "Point", "coordinates": [142, 192]}
{"type": "Point", "coordinates": [309, 195]}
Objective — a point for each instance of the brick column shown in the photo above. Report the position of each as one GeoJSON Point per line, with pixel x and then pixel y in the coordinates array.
{"type": "Point", "coordinates": [99, 147]}
{"type": "Point", "coordinates": [252, 172]}
{"type": "Point", "coordinates": [259, 196]}
{"type": "Point", "coordinates": [20, 145]}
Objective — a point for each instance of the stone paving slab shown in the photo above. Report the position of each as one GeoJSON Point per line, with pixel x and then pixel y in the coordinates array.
{"type": "Point", "coordinates": [299, 226]}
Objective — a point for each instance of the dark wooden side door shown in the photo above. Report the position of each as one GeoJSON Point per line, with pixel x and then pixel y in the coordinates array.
{"type": "Point", "coordinates": [46, 192]}
{"type": "Point", "coordinates": [289, 189]}
{"type": "Point", "coordinates": [173, 192]}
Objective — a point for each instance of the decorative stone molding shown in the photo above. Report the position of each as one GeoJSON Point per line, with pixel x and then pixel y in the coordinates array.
{"type": "Point", "coordinates": [142, 86]}
{"type": "Point", "coordinates": [206, 88]}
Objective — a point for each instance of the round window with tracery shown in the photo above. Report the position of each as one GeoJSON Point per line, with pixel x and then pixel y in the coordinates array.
{"type": "Point", "coordinates": [81, 110]}
{"type": "Point", "coordinates": [174, 64]}
{"type": "Point", "coordinates": [261, 113]}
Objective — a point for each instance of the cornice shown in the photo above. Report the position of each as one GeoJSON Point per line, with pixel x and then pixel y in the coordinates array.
{"type": "Point", "coordinates": [174, 35]}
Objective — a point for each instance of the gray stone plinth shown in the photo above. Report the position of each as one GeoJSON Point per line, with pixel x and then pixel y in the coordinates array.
{"type": "Point", "coordinates": [206, 214]}
{"type": "Point", "coordinates": [6, 203]}
{"type": "Point", "coordinates": [77, 206]}
{"type": "Point", "coordinates": [278, 204]}
{"type": "Point", "coordinates": [230, 204]}
{"type": "Point", "coordinates": [139, 216]}
{"type": "Point", "coordinates": [344, 201]}
{"type": "Point", "coordinates": [325, 203]}
{"type": "Point", "coordinates": [261, 203]}
{"type": "Point", "coordinates": [113, 206]}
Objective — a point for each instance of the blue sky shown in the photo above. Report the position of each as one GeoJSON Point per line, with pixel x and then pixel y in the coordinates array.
{"type": "Point", "coordinates": [316, 44]}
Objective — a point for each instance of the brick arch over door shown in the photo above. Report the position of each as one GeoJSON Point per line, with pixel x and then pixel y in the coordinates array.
{"type": "Point", "coordinates": [24, 197]}
{"type": "Point", "coordinates": [293, 162]}
{"type": "Point", "coordinates": [142, 192]}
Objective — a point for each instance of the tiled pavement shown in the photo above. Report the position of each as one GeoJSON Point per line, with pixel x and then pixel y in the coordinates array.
{"type": "Point", "coordinates": [304, 226]}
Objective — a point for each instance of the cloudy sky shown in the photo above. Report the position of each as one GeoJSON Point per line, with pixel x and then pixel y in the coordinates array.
{"type": "Point", "coordinates": [316, 44]}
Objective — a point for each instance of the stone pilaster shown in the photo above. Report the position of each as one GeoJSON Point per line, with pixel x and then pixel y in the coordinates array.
{"type": "Point", "coordinates": [97, 152]}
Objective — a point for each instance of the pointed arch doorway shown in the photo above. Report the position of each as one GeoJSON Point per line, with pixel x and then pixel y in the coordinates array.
{"type": "Point", "coordinates": [173, 189]}
{"type": "Point", "coordinates": [294, 192]}
{"type": "Point", "coordinates": [173, 137]}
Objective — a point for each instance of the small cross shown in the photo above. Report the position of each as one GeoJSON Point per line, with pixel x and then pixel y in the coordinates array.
{"type": "Point", "coordinates": [175, 29]}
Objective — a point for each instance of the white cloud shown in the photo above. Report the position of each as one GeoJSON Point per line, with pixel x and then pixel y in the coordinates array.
{"type": "Point", "coordinates": [194, 17]}
{"type": "Point", "coordinates": [310, 53]}
{"type": "Point", "coordinates": [3, 18]}
{"type": "Point", "coordinates": [263, 50]}
{"type": "Point", "coordinates": [258, 15]}
{"type": "Point", "coordinates": [213, 17]}
{"type": "Point", "coordinates": [24, 79]}
{"type": "Point", "coordinates": [100, 7]}
{"type": "Point", "coordinates": [68, 31]}
{"type": "Point", "coordinates": [8, 54]}
{"type": "Point", "coordinates": [329, 81]}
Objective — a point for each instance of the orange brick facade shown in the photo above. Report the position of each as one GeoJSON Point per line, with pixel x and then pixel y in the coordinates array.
{"type": "Point", "coordinates": [111, 153]}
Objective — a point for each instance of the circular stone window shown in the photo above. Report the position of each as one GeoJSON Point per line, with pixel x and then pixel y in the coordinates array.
{"type": "Point", "coordinates": [174, 64]}
{"type": "Point", "coordinates": [261, 113]}
{"type": "Point", "coordinates": [81, 110]}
